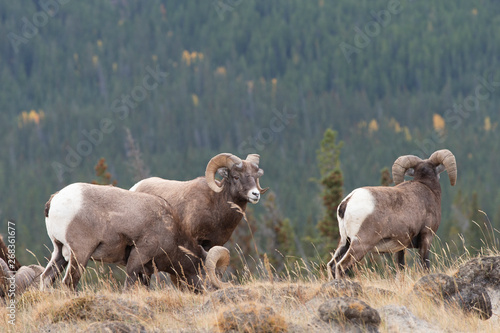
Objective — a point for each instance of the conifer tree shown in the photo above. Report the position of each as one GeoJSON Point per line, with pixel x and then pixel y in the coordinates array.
{"type": "Point", "coordinates": [332, 180]}
{"type": "Point", "coordinates": [385, 177]}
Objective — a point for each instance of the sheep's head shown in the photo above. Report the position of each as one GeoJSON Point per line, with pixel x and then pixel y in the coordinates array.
{"type": "Point", "coordinates": [242, 176]}
{"type": "Point", "coordinates": [25, 277]}
{"type": "Point", "coordinates": [417, 168]}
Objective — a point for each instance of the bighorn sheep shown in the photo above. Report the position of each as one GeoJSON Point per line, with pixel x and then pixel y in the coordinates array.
{"type": "Point", "coordinates": [15, 278]}
{"type": "Point", "coordinates": [391, 219]}
{"type": "Point", "coordinates": [23, 278]}
{"type": "Point", "coordinates": [203, 204]}
{"type": "Point", "coordinates": [114, 225]}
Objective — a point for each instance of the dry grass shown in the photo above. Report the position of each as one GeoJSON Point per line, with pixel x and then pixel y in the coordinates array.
{"type": "Point", "coordinates": [287, 302]}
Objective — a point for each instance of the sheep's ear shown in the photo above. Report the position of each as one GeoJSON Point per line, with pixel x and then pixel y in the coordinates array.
{"type": "Point", "coordinates": [223, 172]}
{"type": "Point", "coordinates": [410, 172]}
{"type": "Point", "coordinates": [260, 173]}
{"type": "Point", "coordinates": [440, 168]}
{"type": "Point", "coordinates": [203, 253]}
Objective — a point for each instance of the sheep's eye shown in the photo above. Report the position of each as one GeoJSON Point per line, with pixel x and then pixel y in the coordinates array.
{"type": "Point", "coordinates": [236, 177]}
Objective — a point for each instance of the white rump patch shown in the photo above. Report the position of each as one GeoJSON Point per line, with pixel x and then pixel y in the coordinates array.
{"type": "Point", "coordinates": [134, 188]}
{"type": "Point", "coordinates": [254, 195]}
{"type": "Point", "coordinates": [64, 206]}
{"type": "Point", "coordinates": [343, 234]}
{"type": "Point", "coordinates": [361, 204]}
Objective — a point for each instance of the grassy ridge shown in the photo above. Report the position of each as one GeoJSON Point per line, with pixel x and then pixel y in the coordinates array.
{"type": "Point", "coordinates": [293, 297]}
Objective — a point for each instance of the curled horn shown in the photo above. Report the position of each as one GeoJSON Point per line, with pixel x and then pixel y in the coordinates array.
{"type": "Point", "coordinates": [217, 259]}
{"type": "Point", "coordinates": [254, 158]}
{"type": "Point", "coordinates": [223, 160]}
{"type": "Point", "coordinates": [24, 278]}
{"type": "Point", "coordinates": [402, 164]}
{"type": "Point", "coordinates": [446, 158]}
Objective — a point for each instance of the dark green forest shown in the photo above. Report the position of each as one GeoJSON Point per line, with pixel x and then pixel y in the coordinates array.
{"type": "Point", "coordinates": [181, 81]}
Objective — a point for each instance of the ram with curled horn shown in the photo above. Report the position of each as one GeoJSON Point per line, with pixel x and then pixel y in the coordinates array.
{"type": "Point", "coordinates": [13, 274]}
{"type": "Point", "coordinates": [138, 230]}
{"type": "Point", "coordinates": [392, 219]}
{"type": "Point", "coordinates": [209, 209]}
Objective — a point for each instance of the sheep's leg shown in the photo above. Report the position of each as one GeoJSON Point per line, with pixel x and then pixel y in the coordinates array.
{"type": "Point", "coordinates": [339, 253]}
{"type": "Point", "coordinates": [54, 268]}
{"type": "Point", "coordinates": [354, 254]}
{"type": "Point", "coordinates": [173, 278]}
{"type": "Point", "coordinates": [145, 276]}
{"type": "Point", "coordinates": [342, 249]}
{"type": "Point", "coordinates": [77, 264]}
{"type": "Point", "coordinates": [132, 276]}
{"type": "Point", "coordinates": [135, 267]}
{"type": "Point", "coordinates": [423, 249]}
{"type": "Point", "coordinates": [195, 284]}
{"type": "Point", "coordinates": [178, 281]}
{"type": "Point", "coordinates": [400, 255]}
{"type": "Point", "coordinates": [144, 279]}
{"type": "Point", "coordinates": [52, 271]}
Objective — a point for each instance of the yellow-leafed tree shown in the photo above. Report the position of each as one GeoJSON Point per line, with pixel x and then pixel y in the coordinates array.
{"type": "Point", "coordinates": [438, 122]}
{"type": "Point", "coordinates": [487, 124]}
{"type": "Point", "coordinates": [373, 126]}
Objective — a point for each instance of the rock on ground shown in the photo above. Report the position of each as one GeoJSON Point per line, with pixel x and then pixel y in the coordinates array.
{"type": "Point", "coordinates": [251, 317]}
{"type": "Point", "coordinates": [400, 319]}
{"type": "Point", "coordinates": [483, 271]}
{"type": "Point", "coordinates": [337, 288]}
{"type": "Point", "coordinates": [96, 308]}
{"type": "Point", "coordinates": [347, 311]}
{"type": "Point", "coordinates": [453, 291]}
{"type": "Point", "coordinates": [436, 286]}
{"type": "Point", "coordinates": [495, 300]}
{"type": "Point", "coordinates": [473, 299]}
{"type": "Point", "coordinates": [231, 295]}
